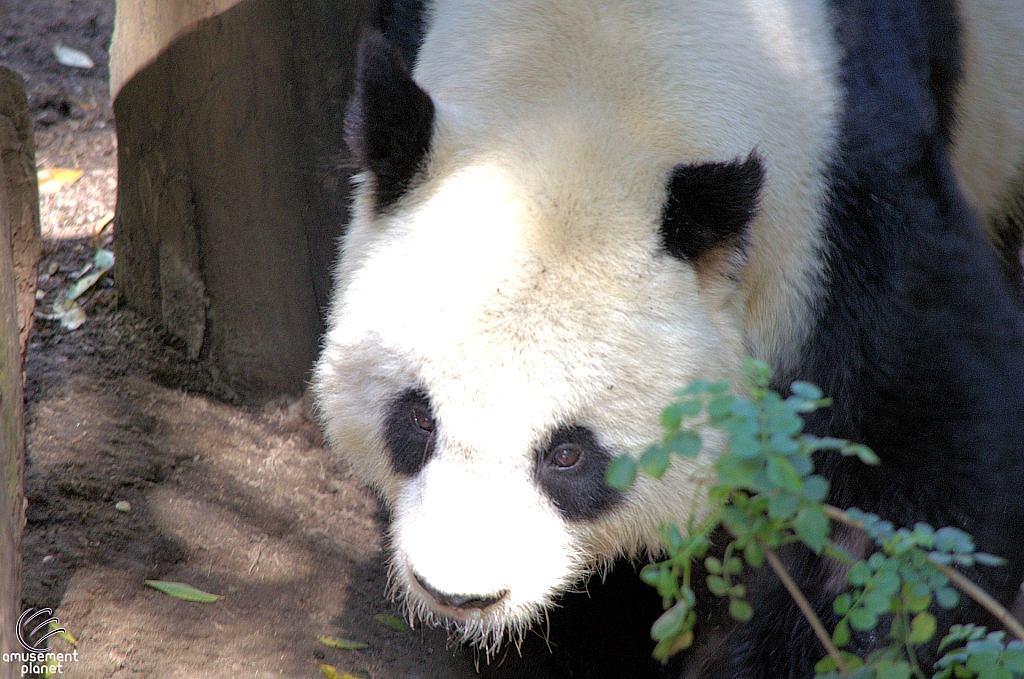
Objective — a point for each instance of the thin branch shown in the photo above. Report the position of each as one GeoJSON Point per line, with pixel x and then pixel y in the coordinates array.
{"type": "Point", "coordinates": [805, 607]}
{"type": "Point", "coordinates": [966, 586]}
{"type": "Point", "coordinates": [982, 597]}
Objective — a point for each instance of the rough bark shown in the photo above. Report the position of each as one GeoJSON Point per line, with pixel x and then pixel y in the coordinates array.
{"type": "Point", "coordinates": [19, 254]}
{"type": "Point", "coordinates": [231, 190]}
{"type": "Point", "coordinates": [20, 191]}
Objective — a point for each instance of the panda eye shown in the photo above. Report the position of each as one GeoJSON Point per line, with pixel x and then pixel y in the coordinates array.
{"type": "Point", "coordinates": [566, 456]}
{"type": "Point", "coordinates": [409, 431]}
{"type": "Point", "coordinates": [570, 465]}
{"type": "Point", "coordinates": [422, 417]}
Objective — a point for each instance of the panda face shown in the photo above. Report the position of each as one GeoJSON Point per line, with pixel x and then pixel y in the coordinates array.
{"type": "Point", "coordinates": [538, 256]}
{"type": "Point", "coordinates": [486, 362]}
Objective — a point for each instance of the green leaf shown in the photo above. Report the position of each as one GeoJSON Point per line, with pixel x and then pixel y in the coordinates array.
{"type": "Point", "coordinates": [1013, 657]}
{"type": "Point", "coordinates": [782, 474]}
{"type": "Point", "coordinates": [899, 669]}
{"type": "Point", "coordinates": [922, 628]}
{"type": "Point", "coordinates": [180, 590]}
{"type": "Point", "coordinates": [811, 525]}
{"type": "Point", "coordinates": [756, 372]}
{"type": "Point", "coordinates": [745, 447]}
{"type": "Point", "coordinates": [947, 597]}
{"type": "Point", "coordinates": [825, 666]}
{"type": "Point", "coordinates": [862, 619]}
{"type": "Point", "coordinates": [684, 444]}
{"type": "Point", "coordinates": [783, 505]}
{"type": "Point", "coordinates": [841, 634]}
{"type": "Point", "coordinates": [621, 472]}
{"type": "Point", "coordinates": [713, 565]}
{"type": "Point", "coordinates": [690, 407]}
{"type": "Point", "coordinates": [815, 488]}
{"type": "Point", "coordinates": [673, 415]}
{"type": "Point", "coordinates": [330, 671]}
{"type": "Point", "coordinates": [720, 406]}
{"type": "Point", "coordinates": [695, 388]}
{"type": "Point", "coordinates": [667, 584]}
{"type": "Point", "coordinates": [839, 553]}
{"type": "Point", "coordinates": [669, 647]}
{"type": "Point", "coordinates": [391, 622]}
{"type": "Point", "coordinates": [343, 644]}
{"type": "Point", "coordinates": [886, 581]}
{"type": "Point", "coordinates": [841, 606]}
{"type": "Point", "coordinates": [916, 598]}
{"type": "Point", "coordinates": [989, 559]}
{"type": "Point", "coordinates": [876, 602]}
{"type": "Point", "coordinates": [746, 415]}
{"type": "Point", "coordinates": [736, 473]}
{"type": "Point", "coordinates": [983, 661]}
{"type": "Point", "coordinates": [949, 539]}
{"type": "Point", "coordinates": [783, 444]}
{"type": "Point", "coordinates": [863, 453]}
{"type": "Point", "coordinates": [654, 461]}
{"type": "Point", "coordinates": [785, 424]}
{"type": "Point", "coordinates": [859, 574]}
{"type": "Point", "coordinates": [718, 387]}
{"type": "Point", "coordinates": [671, 622]}
{"type": "Point", "coordinates": [753, 554]}
{"type": "Point", "coordinates": [717, 586]}
{"type": "Point", "coordinates": [997, 672]}
{"type": "Point", "coordinates": [651, 572]}
{"type": "Point", "coordinates": [740, 610]}
{"type": "Point", "coordinates": [806, 390]}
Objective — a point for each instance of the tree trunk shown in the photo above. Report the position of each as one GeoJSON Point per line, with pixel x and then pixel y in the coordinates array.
{"type": "Point", "coordinates": [232, 191]}
{"type": "Point", "coordinates": [19, 255]}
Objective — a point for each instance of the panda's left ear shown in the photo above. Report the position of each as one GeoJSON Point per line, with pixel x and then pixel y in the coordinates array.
{"type": "Point", "coordinates": [709, 206]}
{"type": "Point", "coordinates": [389, 121]}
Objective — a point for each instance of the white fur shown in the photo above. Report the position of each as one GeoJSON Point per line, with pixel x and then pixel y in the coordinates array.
{"type": "Point", "coordinates": [988, 137]}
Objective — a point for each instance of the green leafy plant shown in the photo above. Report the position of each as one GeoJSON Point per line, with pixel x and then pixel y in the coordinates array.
{"type": "Point", "coordinates": [767, 496]}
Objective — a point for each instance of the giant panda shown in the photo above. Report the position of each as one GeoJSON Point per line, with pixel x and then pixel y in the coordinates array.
{"type": "Point", "coordinates": [567, 209]}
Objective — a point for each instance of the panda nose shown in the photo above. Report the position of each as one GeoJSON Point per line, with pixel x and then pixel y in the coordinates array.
{"type": "Point", "coordinates": [459, 600]}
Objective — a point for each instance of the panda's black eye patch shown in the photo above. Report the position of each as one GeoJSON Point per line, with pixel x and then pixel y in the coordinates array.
{"type": "Point", "coordinates": [409, 431]}
{"type": "Point", "coordinates": [710, 205]}
{"type": "Point", "coordinates": [570, 470]}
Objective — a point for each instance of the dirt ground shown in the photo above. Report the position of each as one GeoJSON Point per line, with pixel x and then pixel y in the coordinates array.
{"type": "Point", "coordinates": [240, 502]}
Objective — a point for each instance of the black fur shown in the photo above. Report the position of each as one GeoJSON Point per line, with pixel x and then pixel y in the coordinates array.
{"type": "Point", "coordinates": [579, 492]}
{"type": "Point", "coordinates": [403, 23]}
{"type": "Point", "coordinates": [389, 122]}
{"type": "Point", "coordinates": [1009, 236]}
{"type": "Point", "coordinates": [709, 205]}
{"type": "Point", "coordinates": [918, 339]}
{"type": "Point", "coordinates": [945, 60]}
{"type": "Point", "coordinates": [409, 445]}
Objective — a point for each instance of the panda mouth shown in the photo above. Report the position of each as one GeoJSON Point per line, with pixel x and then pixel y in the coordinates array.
{"type": "Point", "coordinates": [459, 602]}
{"type": "Point", "coordinates": [484, 621]}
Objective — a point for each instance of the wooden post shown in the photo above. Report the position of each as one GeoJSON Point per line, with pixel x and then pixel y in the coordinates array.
{"type": "Point", "coordinates": [232, 190]}
{"type": "Point", "coordinates": [19, 255]}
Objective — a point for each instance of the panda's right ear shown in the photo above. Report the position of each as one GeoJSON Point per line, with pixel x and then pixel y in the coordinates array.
{"type": "Point", "coordinates": [389, 121]}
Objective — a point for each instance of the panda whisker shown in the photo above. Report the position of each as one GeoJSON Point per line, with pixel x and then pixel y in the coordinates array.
{"type": "Point", "coordinates": [546, 636]}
